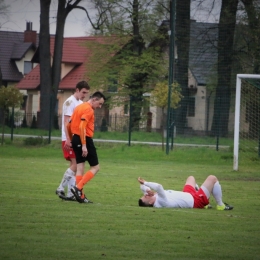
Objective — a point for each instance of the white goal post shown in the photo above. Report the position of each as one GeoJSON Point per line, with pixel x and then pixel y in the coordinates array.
{"type": "Point", "coordinates": [237, 114]}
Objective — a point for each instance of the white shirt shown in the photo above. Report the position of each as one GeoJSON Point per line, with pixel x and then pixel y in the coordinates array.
{"type": "Point", "coordinates": [168, 198]}
{"type": "Point", "coordinates": [67, 110]}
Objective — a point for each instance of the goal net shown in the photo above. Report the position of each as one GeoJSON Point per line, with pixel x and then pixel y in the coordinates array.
{"type": "Point", "coordinates": [247, 119]}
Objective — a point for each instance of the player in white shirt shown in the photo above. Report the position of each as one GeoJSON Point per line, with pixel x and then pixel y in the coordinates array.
{"type": "Point", "coordinates": [156, 196]}
{"type": "Point", "coordinates": [68, 179]}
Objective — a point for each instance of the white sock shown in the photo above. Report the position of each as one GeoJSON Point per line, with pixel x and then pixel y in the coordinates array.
{"type": "Point", "coordinates": [217, 193]}
{"type": "Point", "coordinates": [71, 182]}
{"type": "Point", "coordinates": [65, 179]}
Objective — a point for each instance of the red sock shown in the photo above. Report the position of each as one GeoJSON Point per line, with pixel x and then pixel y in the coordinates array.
{"type": "Point", "coordinates": [85, 179]}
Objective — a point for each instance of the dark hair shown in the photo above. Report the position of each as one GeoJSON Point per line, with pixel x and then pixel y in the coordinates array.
{"type": "Point", "coordinates": [82, 84]}
{"type": "Point", "coordinates": [98, 95]}
{"type": "Point", "coordinates": [142, 204]}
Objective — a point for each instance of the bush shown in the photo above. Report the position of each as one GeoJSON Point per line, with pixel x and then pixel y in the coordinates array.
{"type": "Point", "coordinates": [34, 122]}
{"type": "Point", "coordinates": [35, 141]}
{"type": "Point", "coordinates": [24, 123]}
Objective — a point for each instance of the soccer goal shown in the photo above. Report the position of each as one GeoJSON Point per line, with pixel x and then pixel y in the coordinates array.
{"type": "Point", "coordinates": [247, 118]}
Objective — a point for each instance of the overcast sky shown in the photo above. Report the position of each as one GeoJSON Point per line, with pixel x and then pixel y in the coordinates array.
{"type": "Point", "coordinates": [77, 24]}
{"type": "Point", "coordinates": [22, 11]}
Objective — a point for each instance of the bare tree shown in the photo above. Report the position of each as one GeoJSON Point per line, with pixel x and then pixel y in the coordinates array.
{"type": "Point", "coordinates": [50, 74]}
{"type": "Point", "coordinates": [3, 12]}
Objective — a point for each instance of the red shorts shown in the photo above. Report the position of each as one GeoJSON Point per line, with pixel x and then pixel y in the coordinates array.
{"type": "Point", "coordinates": [67, 154]}
{"type": "Point", "coordinates": [200, 198]}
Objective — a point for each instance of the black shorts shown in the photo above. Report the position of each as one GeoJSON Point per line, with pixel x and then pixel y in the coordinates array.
{"type": "Point", "coordinates": [92, 157]}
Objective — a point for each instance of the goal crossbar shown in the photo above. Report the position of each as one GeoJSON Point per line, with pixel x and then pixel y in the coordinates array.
{"type": "Point", "coordinates": [237, 114]}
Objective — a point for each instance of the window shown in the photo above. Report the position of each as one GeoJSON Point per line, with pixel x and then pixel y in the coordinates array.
{"type": "Point", "coordinates": [191, 106]}
{"type": "Point", "coordinates": [126, 109]}
{"type": "Point", "coordinates": [27, 67]}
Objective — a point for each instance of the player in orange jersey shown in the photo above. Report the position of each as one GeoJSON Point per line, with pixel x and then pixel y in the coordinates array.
{"type": "Point", "coordinates": [81, 129]}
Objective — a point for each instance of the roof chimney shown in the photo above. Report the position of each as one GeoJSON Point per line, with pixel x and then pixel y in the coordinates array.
{"type": "Point", "coordinates": [29, 34]}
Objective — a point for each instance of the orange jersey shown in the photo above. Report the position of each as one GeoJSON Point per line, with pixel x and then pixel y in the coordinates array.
{"type": "Point", "coordinates": [83, 112]}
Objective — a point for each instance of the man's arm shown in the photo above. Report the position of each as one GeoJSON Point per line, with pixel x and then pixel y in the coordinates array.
{"type": "Point", "coordinates": [144, 189]}
{"type": "Point", "coordinates": [82, 128]}
{"type": "Point", "coordinates": [153, 185]}
{"type": "Point", "coordinates": [67, 145]}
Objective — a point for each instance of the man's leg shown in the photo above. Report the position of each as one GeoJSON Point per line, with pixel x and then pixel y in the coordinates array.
{"type": "Point", "coordinates": [72, 179]}
{"type": "Point", "coordinates": [191, 181]}
{"type": "Point", "coordinates": [68, 174]}
{"type": "Point", "coordinates": [85, 179]}
{"type": "Point", "coordinates": [213, 186]}
{"type": "Point", "coordinates": [81, 180]}
{"type": "Point", "coordinates": [88, 176]}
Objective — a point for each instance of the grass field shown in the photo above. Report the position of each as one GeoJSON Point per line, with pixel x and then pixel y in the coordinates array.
{"type": "Point", "coordinates": [36, 224]}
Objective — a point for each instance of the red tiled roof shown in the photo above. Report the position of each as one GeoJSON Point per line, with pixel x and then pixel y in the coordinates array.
{"type": "Point", "coordinates": [74, 52]}
{"type": "Point", "coordinates": [77, 74]}
{"type": "Point", "coordinates": [31, 80]}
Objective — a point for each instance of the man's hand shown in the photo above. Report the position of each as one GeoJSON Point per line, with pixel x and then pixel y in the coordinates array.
{"type": "Point", "coordinates": [67, 145]}
{"type": "Point", "coordinates": [84, 150]}
{"type": "Point", "coordinates": [141, 181]}
{"type": "Point", "coordinates": [150, 193]}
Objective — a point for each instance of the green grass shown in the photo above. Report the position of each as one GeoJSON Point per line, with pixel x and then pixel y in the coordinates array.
{"type": "Point", "coordinates": [35, 224]}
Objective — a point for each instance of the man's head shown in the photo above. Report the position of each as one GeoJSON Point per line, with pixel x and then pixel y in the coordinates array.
{"type": "Point", "coordinates": [82, 89]}
{"type": "Point", "coordinates": [97, 100]}
{"type": "Point", "coordinates": [146, 201]}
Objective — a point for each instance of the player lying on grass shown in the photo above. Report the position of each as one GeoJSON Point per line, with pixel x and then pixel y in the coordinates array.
{"type": "Point", "coordinates": [156, 196]}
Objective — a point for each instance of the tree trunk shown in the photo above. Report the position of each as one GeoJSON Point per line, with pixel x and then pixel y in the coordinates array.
{"type": "Point", "coordinates": [50, 74]}
{"type": "Point", "coordinates": [58, 50]}
{"type": "Point", "coordinates": [226, 33]}
{"type": "Point", "coordinates": [183, 46]}
{"type": "Point", "coordinates": [45, 66]}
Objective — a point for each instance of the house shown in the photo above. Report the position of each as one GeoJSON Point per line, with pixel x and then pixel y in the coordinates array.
{"type": "Point", "coordinates": [203, 57]}
{"type": "Point", "coordinates": [16, 52]}
{"type": "Point", "coordinates": [202, 66]}
{"type": "Point", "coordinates": [73, 69]}
{"type": "Point", "coordinates": [202, 71]}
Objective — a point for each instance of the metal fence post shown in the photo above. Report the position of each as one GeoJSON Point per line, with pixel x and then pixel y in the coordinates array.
{"type": "Point", "coordinates": [12, 124]}
{"type": "Point", "coordinates": [130, 121]}
{"type": "Point", "coordinates": [50, 120]}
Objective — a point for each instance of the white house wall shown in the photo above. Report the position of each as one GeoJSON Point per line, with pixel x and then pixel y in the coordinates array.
{"type": "Point", "coordinates": [65, 69]}
{"type": "Point", "coordinates": [33, 101]}
{"type": "Point", "coordinates": [28, 57]}
{"type": "Point", "coordinates": [156, 117]}
{"type": "Point", "coordinates": [198, 121]}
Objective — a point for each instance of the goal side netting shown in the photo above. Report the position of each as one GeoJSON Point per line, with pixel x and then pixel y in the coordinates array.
{"type": "Point", "coordinates": [247, 119]}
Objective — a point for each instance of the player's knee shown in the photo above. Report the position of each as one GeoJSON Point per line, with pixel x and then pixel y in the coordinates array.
{"type": "Point", "coordinates": [212, 178]}
{"type": "Point", "coordinates": [191, 178]}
